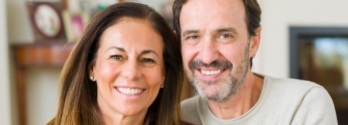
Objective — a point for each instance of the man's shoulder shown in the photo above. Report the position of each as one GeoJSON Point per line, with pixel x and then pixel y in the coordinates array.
{"type": "Point", "coordinates": [190, 101]}
{"type": "Point", "coordinates": [290, 83]}
{"type": "Point", "coordinates": [189, 110]}
{"type": "Point", "coordinates": [189, 106]}
{"type": "Point", "coordinates": [299, 97]}
{"type": "Point", "coordinates": [288, 89]}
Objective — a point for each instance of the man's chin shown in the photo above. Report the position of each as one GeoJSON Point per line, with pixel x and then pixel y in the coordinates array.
{"type": "Point", "coordinates": [209, 94]}
{"type": "Point", "coordinates": [211, 97]}
{"type": "Point", "coordinates": [213, 93]}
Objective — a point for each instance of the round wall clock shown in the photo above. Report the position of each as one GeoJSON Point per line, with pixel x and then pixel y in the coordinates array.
{"type": "Point", "coordinates": [46, 20]}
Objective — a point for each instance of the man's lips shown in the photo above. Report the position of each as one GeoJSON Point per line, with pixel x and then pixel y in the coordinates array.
{"type": "Point", "coordinates": [209, 74]}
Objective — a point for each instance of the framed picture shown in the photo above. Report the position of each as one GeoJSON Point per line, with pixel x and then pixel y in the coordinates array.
{"type": "Point", "coordinates": [74, 23]}
{"type": "Point", "coordinates": [46, 21]}
{"type": "Point", "coordinates": [320, 54]}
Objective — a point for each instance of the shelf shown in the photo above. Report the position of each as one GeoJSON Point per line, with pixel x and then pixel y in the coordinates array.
{"type": "Point", "coordinates": [36, 55]}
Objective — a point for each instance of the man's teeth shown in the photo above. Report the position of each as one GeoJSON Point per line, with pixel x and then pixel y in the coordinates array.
{"type": "Point", "coordinates": [129, 91]}
{"type": "Point", "coordinates": [210, 72]}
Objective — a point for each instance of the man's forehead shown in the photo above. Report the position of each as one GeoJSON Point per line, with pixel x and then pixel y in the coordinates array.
{"type": "Point", "coordinates": [212, 14]}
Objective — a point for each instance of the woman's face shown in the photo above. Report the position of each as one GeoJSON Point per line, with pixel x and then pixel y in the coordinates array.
{"type": "Point", "coordinates": [129, 67]}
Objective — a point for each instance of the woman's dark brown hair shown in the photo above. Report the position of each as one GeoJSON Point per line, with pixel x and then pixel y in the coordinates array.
{"type": "Point", "coordinates": [78, 94]}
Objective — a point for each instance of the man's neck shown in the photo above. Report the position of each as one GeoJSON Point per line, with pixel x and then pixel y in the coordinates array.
{"type": "Point", "coordinates": [242, 101]}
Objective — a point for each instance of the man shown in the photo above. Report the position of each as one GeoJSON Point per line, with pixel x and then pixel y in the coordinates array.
{"type": "Point", "coordinates": [219, 39]}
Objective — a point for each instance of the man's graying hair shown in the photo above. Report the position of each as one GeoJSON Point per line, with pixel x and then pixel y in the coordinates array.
{"type": "Point", "coordinates": [252, 18]}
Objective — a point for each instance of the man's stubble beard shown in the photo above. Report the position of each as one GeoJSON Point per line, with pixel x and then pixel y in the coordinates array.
{"type": "Point", "coordinates": [223, 88]}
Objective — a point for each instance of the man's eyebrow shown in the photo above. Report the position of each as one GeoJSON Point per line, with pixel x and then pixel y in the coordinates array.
{"type": "Point", "coordinates": [229, 29]}
{"type": "Point", "coordinates": [185, 33]}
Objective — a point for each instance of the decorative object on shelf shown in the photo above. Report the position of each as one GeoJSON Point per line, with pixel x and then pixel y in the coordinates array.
{"type": "Point", "coordinates": [46, 20]}
{"type": "Point", "coordinates": [89, 7]}
{"type": "Point", "coordinates": [74, 24]}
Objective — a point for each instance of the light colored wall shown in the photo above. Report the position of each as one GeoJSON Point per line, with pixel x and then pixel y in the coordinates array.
{"type": "Point", "coordinates": [272, 58]}
{"type": "Point", "coordinates": [5, 105]}
{"type": "Point", "coordinates": [41, 92]}
{"type": "Point", "coordinates": [278, 15]}
{"type": "Point", "coordinates": [156, 4]}
{"type": "Point", "coordinates": [18, 22]}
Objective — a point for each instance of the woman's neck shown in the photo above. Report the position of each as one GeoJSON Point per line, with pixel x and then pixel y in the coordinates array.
{"type": "Point", "coordinates": [111, 116]}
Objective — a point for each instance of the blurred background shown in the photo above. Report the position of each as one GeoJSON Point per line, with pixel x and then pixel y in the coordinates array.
{"type": "Point", "coordinates": [32, 54]}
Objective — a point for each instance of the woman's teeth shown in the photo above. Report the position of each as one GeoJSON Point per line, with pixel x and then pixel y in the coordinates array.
{"type": "Point", "coordinates": [129, 91]}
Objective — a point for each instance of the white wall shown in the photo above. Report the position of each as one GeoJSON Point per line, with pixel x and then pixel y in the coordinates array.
{"type": "Point", "coordinates": [278, 15]}
{"type": "Point", "coordinates": [5, 107]}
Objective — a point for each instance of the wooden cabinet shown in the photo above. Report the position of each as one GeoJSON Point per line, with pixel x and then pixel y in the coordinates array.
{"type": "Point", "coordinates": [36, 55]}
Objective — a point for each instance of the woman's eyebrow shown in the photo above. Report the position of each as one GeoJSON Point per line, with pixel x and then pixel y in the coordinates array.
{"type": "Point", "coordinates": [114, 47]}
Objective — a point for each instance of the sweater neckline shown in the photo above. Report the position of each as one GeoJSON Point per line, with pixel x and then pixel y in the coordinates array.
{"type": "Point", "coordinates": [206, 114]}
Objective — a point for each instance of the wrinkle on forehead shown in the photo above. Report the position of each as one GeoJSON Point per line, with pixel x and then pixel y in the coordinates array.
{"type": "Point", "coordinates": [202, 15]}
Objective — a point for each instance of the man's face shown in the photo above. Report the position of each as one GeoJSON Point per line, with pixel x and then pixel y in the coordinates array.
{"type": "Point", "coordinates": [215, 46]}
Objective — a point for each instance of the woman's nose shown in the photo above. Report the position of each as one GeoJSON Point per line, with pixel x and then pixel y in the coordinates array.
{"type": "Point", "coordinates": [131, 70]}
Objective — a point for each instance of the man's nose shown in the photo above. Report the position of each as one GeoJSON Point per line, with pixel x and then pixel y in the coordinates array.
{"type": "Point", "coordinates": [208, 51]}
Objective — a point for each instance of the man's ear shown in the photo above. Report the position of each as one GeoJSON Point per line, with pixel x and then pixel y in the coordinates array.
{"type": "Point", "coordinates": [255, 42]}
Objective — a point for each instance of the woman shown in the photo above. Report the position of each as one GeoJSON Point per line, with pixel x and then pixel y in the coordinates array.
{"type": "Point", "coordinates": [126, 69]}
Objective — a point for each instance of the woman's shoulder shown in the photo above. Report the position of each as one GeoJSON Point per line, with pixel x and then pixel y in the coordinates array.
{"type": "Point", "coordinates": [185, 123]}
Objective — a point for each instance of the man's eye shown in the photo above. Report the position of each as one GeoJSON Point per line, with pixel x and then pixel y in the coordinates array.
{"type": "Point", "coordinates": [225, 36]}
{"type": "Point", "coordinates": [191, 37]}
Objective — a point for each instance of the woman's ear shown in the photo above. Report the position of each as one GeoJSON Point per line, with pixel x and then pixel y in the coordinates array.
{"type": "Point", "coordinates": [255, 42]}
{"type": "Point", "coordinates": [91, 73]}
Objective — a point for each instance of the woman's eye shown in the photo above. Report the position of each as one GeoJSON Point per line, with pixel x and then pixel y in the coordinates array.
{"type": "Point", "coordinates": [148, 60]}
{"type": "Point", "coordinates": [116, 57]}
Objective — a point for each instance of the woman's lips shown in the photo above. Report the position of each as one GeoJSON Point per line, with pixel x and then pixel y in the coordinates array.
{"type": "Point", "coordinates": [129, 91]}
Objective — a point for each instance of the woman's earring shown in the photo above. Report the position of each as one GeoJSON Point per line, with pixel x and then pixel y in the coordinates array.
{"type": "Point", "coordinates": [162, 85]}
{"type": "Point", "coordinates": [92, 78]}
